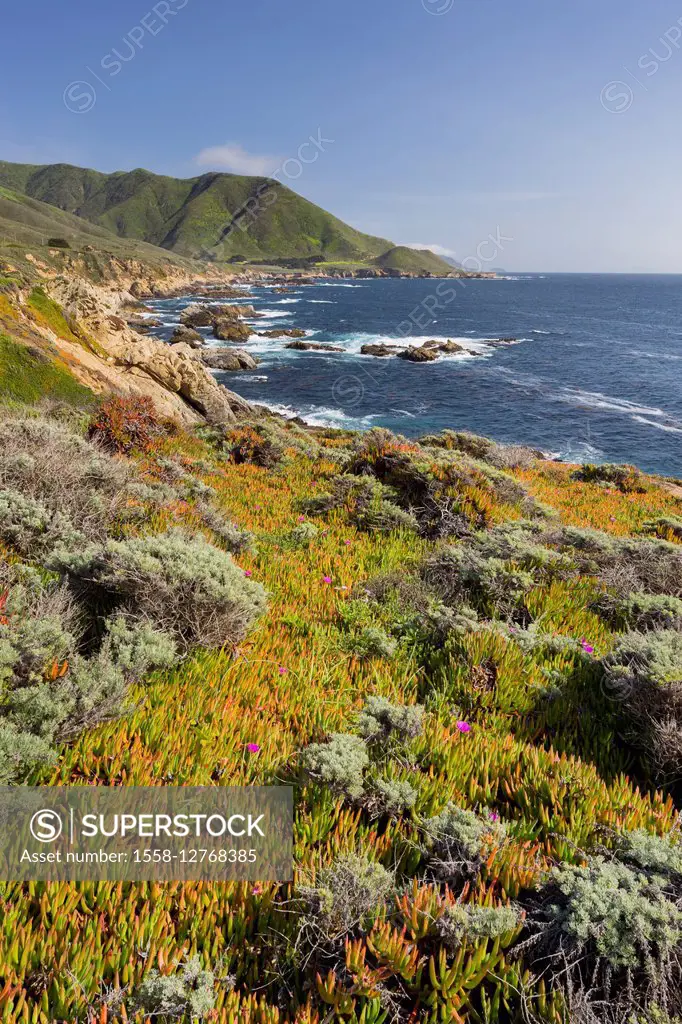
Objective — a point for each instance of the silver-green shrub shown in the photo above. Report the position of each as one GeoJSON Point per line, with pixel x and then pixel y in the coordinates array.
{"type": "Point", "coordinates": [339, 763]}
{"type": "Point", "coordinates": [189, 994]}
{"type": "Point", "coordinates": [179, 582]}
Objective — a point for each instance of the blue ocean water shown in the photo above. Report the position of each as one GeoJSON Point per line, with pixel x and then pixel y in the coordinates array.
{"type": "Point", "coordinates": [594, 372]}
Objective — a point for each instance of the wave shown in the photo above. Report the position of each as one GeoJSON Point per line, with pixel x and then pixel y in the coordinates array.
{"type": "Point", "coordinates": [596, 400]}
{"type": "Point", "coordinates": [321, 302]}
{"type": "Point", "coordinates": [577, 451]}
{"type": "Point", "coordinates": [666, 356]}
{"type": "Point", "coordinates": [271, 314]}
{"type": "Point", "coordinates": [670, 428]}
{"type": "Point", "coordinates": [321, 416]}
{"type": "Point", "coordinates": [255, 377]}
{"type": "Point", "coordinates": [354, 341]}
{"type": "Point", "coordinates": [286, 302]}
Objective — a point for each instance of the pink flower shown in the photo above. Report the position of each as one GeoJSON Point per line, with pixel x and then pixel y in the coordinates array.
{"type": "Point", "coordinates": [327, 579]}
{"type": "Point", "coordinates": [282, 671]}
{"type": "Point", "coordinates": [586, 647]}
{"type": "Point", "coordinates": [494, 816]}
{"type": "Point", "coordinates": [257, 890]}
{"type": "Point", "coordinates": [347, 543]}
{"type": "Point", "coordinates": [301, 519]}
{"type": "Point", "coordinates": [253, 748]}
{"type": "Point", "coordinates": [258, 507]}
{"type": "Point", "coordinates": [247, 572]}
{"type": "Point", "coordinates": [463, 726]}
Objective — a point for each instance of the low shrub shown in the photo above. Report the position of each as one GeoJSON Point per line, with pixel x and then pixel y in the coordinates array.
{"type": "Point", "coordinates": [392, 796]}
{"type": "Point", "coordinates": [625, 565]}
{"type": "Point", "coordinates": [48, 463]}
{"type": "Point", "coordinates": [641, 611]}
{"type": "Point", "coordinates": [370, 642]}
{"type": "Point", "coordinates": [627, 479]}
{"type": "Point", "coordinates": [50, 689]}
{"type": "Point", "coordinates": [188, 995]}
{"type": "Point", "coordinates": [179, 582]}
{"type": "Point", "coordinates": [468, 922]}
{"type": "Point", "coordinates": [367, 503]}
{"type": "Point", "coordinates": [124, 425]}
{"type": "Point", "coordinates": [339, 764]}
{"type": "Point", "coordinates": [350, 894]}
{"type": "Point", "coordinates": [611, 930]}
{"type": "Point", "coordinates": [381, 720]}
{"type": "Point", "coordinates": [665, 527]}
{"type": "Point", "coordinates": [644, 671]}
{"type": "Point", "coordinates": [258, 444]}
{"type": "Point", "coordinates": [456, 840]}
{"type": "Point", "coordinates": [463, 576]}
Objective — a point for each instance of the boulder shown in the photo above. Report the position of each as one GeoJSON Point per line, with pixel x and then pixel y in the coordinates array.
{"type": "Point", "coordinates": [289, 332]}
{"type": "Point", "coordinates": [450, 347]}
{"type": "Point", "coordinates": [231, 329]}
{"type": "Point", "coordinates": [196, 315]}
{"type": "Point", "coordinates": [418, 355]}
{"type": "Point", "coordinates": [188, 336]}
{"type": "Point", "coordinates": [228, 359]}
{"type": "Point", "coordinates": [313, 346]}
{"type": "Point", "coordinates": [379, 350]}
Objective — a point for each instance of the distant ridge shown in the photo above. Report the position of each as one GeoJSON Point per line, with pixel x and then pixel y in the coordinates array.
{"type": "Point", "coordinates": [214, 216]}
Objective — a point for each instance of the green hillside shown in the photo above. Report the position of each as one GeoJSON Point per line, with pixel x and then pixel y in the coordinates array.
{"type": "Point", "coordinates": [214, 216]}
{"type": "Point", "coordinates": [31, 223]}
{"type": "Point", "coordinates": [417, 261]}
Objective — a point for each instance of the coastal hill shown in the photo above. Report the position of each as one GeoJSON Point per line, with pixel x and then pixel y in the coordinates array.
{"type": "Point", "coordinates": [219, 217]}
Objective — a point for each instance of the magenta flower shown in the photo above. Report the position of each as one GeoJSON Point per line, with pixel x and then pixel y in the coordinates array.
{"type": "Point", "coordinates": [494, 816]}
{"type": "Point", "coordinates": [586, 647]}
{"type": "Point", "coordinates": [253, 748]}
{"type": "Point", "coordinates": [258, 507]}
{"type": "Point", "coordinates": [282, 671]}
{"type": "Point", "coordinates": [347, 543]}
{"type": "Point", "coordinates": [247, 572]}
{"type": "Point", "coordinates": [301, 519]}
{"type": "Point", "coordinates": [463, 726]}
{"type": "Point", "coordinates": [327, 579]}
{"type": "Point", "coordinates": [257, 890]}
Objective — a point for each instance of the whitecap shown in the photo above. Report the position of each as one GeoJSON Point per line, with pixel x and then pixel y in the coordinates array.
{"type": "Point", "coordinates": [596, 400]}
{"type": "Point", "coordinates": [668, 427]}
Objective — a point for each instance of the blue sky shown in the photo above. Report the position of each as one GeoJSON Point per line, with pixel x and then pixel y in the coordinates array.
{"type": "Point", "coordinates": [452, 120]}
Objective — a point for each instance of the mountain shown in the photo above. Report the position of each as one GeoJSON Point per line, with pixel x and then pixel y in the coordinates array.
{"type": "Point", "coordinates": [418, 261]}
{"type": "Point", "coordinates": [214, 216]}
{"type": "Point", "coordinates": [30, 222]}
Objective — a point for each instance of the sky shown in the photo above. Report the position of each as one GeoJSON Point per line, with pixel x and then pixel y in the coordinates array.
{"type": "Point", "coordinates": [536, 135]}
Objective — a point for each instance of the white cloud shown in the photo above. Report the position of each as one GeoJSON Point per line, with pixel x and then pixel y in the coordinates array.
{"type": "Point", "coordinates": [439, 250]}
{"type": "Point", "coordinates": [233, 157]}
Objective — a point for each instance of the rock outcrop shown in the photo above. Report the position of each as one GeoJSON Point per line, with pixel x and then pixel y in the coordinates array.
{"type": "Point", "coordinates": [313, 346]}
{"type": "Point", "coordinates": [418, 355]}
{"type": "Point", "coordinates": [288, 332]}
{"type": "Point", "coordinates": [228, 359]}
{"type": "Point", "coordinates": [173, 376]}
{"type": "Point", "coordinates": [187, 336]}
{"type": "Point", "coordinates": [231, 329]}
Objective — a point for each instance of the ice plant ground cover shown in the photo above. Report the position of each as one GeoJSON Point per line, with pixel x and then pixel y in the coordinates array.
{"type": "Point", "coordinates": [520, 730]}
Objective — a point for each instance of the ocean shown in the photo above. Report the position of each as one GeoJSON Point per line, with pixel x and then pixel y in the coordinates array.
{"type": "Point", "coordinates": [593, 373]}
